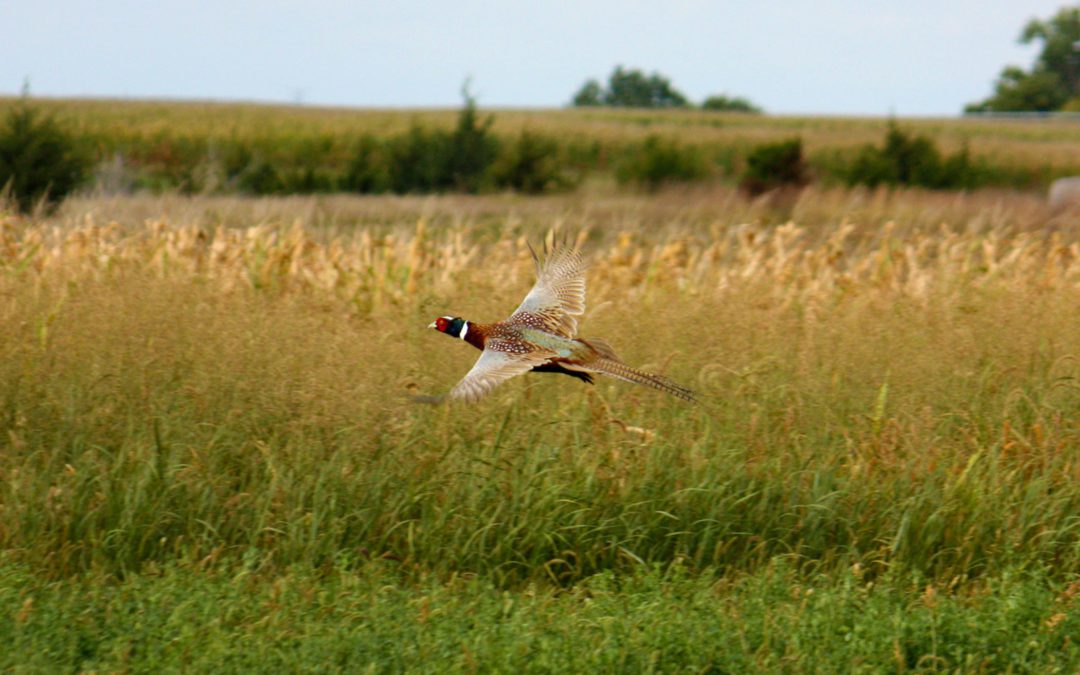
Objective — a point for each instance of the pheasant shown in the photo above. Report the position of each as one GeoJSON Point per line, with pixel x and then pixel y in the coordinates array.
{"type": "Point", "coordinates": [540, 336]}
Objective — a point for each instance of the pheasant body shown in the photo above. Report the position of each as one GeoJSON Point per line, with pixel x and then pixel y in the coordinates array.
{"type": "Point", "coordinates": [540, 336]}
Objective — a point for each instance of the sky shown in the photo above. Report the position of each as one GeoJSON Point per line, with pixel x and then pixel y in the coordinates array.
{"type": "Point", "coordinates": [847, 57]}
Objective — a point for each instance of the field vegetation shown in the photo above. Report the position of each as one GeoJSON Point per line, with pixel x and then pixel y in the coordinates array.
{"type": "Point", "coordinates": [208, 459]}
{"type": "Point", "coordinates": [210, 148]}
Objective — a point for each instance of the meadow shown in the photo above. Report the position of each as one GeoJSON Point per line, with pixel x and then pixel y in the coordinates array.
{"type": "Point", "coordinates": [209, 459]}
{"type": "Point", "coordinates": [207, 147]}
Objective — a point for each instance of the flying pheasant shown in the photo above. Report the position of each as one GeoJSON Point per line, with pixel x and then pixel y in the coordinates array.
{"type": "Point", "coordinates": [541, 336]}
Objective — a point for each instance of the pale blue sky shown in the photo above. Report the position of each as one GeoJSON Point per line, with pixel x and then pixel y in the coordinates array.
{"type": "Point", "coordinates": [918, 57]}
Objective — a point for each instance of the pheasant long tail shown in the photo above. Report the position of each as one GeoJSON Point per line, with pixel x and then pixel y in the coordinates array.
{"type": "Point", "coordinates": [624, 372]}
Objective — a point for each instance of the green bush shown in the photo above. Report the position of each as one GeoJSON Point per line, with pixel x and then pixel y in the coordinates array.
{"type": "Point", "coordinates": [367, 171]}
{"type": "Point", "coordinates": [260, 178]}
{"type": "Point", "coordinates": [39, 162]}
{"type": "Point", "coordinates": [774, 165]}
{"type": "Point", "coordinates": [418, 161]}
{"type": "Point", "coordinates": [905, 159]}
{"type": "Point", "coordinates": [530, 164]}
{"type": "Point", "coordinates": [423, 160]}
{"type": "Point", "coordinates": [472, 149]}
{"type": "Point", "coordinates": [657, 161]}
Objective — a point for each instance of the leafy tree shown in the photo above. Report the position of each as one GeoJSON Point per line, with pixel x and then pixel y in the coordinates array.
{"type": "Point", "coordinates": [1060, 54]}
{"type": "Point", "coordinates": [39, 161]}
{"type": "Point", "coordinates": [725, 103]}
{"type": "Point", "coordinates": [1017, 90]}
{"type": "Point", "coordinates": [591, 94]}
{"type": "Point", "coordinates": [631, 88]}
{"type": "Point", "coordinates": [1055, 77]}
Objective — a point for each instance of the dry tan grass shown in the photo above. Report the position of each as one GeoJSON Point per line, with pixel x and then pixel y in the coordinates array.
{"type": "Point", "coordinates": [675, 259]}
{"type": "Point", "coordinates": [683, 241]}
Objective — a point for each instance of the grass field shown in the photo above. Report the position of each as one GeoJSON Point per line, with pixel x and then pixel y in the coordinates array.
{"type": "Point", "coordinates": [1019, 140]}
{"type": "Point", "coordinates": [209, 147]}
{"type": "Point", "coordinates": [208, 459]}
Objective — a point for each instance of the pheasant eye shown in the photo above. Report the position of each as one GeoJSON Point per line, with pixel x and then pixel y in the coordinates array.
{"type": "Point", "coordinates": [441, 324]}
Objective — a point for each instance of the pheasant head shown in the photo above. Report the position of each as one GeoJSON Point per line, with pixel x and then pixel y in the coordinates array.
{"type": "Point", "coordinates": [451, 325]}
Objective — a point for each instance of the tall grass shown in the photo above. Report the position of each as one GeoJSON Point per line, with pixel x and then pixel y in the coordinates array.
{"type": "Point", "coordinates": [897, 398]}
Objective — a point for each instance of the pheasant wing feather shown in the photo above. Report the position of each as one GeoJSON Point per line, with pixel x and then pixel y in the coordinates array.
{"type": "Point", "coordinates": [558, 295]}
{"type": "Point", "coordinates": [493, 368]}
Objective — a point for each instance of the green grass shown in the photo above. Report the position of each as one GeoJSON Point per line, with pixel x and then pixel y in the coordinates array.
{"type": "Point", "coordinates": [370, 620]}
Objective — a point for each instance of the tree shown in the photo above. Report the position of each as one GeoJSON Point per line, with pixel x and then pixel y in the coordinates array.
{"type": "Point", "coordinates": [1016, 90]}
{"type": "Point", "coordinates": [590, 94]}
{"type": "Point", "coordinates": [1061, 47]}
{"type": "Point", "coordinates": [1054, 79]}
{"type": "Point", "coordinates": [725, 103]}
{"type": "Point", "coordinates": [631, 88]}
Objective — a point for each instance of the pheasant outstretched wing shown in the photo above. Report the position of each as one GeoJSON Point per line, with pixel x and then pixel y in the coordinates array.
{"type": "Point", "coordinates": [558, 295]}
{"type": "Point", "coordinates": [495, 367]}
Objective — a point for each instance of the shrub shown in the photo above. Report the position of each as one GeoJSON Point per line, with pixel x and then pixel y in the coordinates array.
{"type": "Point", "coordinates": [530, 164]}
{"type": "Point", "coordinates": [424, 160]}
{"type": "Point", "coordinates": [472, 148]}
{"type": "Point", "coordinates": [774, 165]}
{"type": "Point", "coordinates": [905, 159]}
{"type": "Point", "coordinates": [367, 171]}
{"type": "Point", "coordinates": [657, 161]}
{"type": "Point", "coordinates": [418, 160]}
{"type": "Point", "coordinates": [260, 178]}
{"type": "Point", "coordinates": [39, 162]}
{"type": "Point", "coordinates": [235, 158]}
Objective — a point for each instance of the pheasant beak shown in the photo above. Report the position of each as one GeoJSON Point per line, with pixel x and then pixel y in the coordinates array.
{"type": "Point", "coordinates": [432, 325]}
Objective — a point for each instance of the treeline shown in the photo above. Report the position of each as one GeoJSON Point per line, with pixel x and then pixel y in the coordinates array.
{"type": "Point", "coordinates": [41, 161]}
{"type": "Point", "coordinates": [632, 88]}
